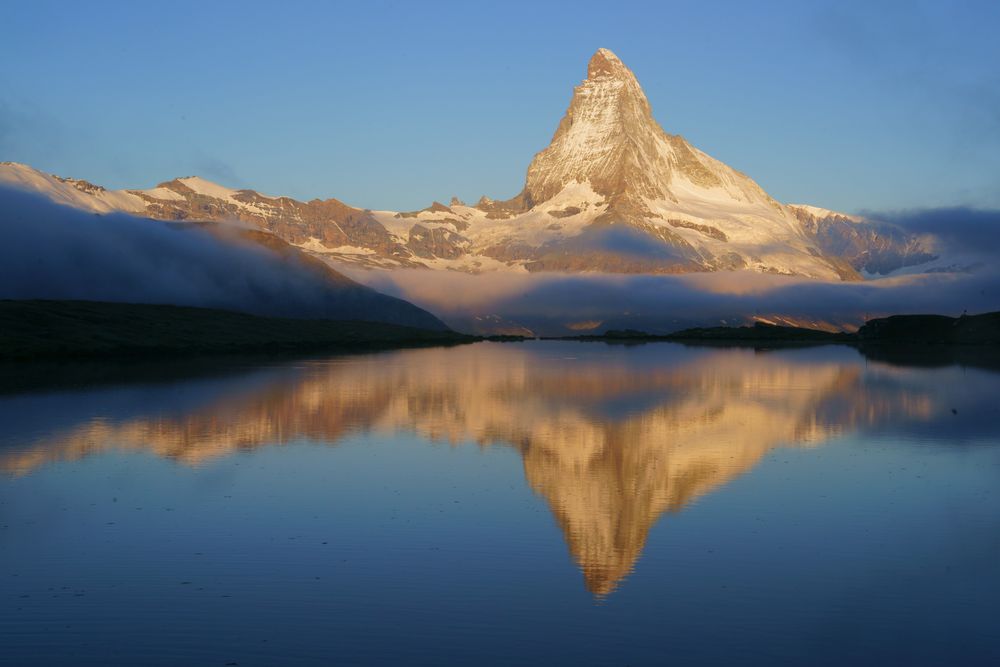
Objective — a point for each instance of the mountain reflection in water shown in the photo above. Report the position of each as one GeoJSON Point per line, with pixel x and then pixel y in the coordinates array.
{"type": "Point", "coordinates": [611, 438]}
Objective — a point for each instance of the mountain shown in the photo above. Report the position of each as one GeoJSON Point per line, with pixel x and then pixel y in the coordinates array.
{"type": "Point", "coordinates": [613, 192]}
{"type": "Point", "coordinates": [681, 209]}
{"type": "Point", "coordinates": [871, 247]}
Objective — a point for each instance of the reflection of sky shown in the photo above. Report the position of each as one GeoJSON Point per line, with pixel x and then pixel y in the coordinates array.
{"type": "Point", "coordinates": [970, 392]}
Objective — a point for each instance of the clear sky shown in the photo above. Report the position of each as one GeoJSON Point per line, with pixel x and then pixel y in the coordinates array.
{"type": "Point", "coordinates": [848, 105]}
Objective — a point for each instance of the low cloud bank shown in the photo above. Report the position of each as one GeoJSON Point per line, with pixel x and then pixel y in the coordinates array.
{"type": "Point", "coordinates": [50, 251]}
{"type": "Point", "coordinates": [559, 303]}
{"type": "Point", "coordinates": [553, 303]}
{"type": "Point", "coordinates": [957, 229]}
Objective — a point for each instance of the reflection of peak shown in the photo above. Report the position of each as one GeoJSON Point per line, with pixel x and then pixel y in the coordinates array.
{"type": "Point", "coordinates": [608, 483]}
{"type": "Point", "coordinates": [611, 443]}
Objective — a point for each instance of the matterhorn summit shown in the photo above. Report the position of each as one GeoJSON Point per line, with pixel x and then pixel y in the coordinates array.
{"type": "Point", "coordinates": [608, 138]}
{"type": "Point", "coordinates": [611, 164]}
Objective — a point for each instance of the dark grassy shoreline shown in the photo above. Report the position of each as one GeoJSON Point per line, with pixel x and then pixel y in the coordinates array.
{"type": "Point", "coordinates": [896, 330]}
{"type": "Point", "coordinates": [40, 329]}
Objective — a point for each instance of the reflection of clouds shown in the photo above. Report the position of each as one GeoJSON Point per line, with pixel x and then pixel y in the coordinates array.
{"type": "Point", "coordinates": [611, 439]}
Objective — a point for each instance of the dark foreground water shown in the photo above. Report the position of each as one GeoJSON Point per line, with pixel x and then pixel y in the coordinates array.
{"type": "Point", "coordinates": [537, 503]}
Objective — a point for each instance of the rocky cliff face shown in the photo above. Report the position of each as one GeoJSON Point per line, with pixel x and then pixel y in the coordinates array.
{"type": "Point", "coordinates": [608, 138]}
{"type": "Point", "coordinates": [613, 192]}
{"type": "Point", "coordinates": [874, 248]}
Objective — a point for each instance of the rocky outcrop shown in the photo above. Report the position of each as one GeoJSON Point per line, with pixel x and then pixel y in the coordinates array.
{"type": "Point", "coordinates": [876, 248]}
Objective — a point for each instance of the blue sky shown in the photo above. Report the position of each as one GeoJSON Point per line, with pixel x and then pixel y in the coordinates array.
{"type": "Point", "coordinates": [848, 105]}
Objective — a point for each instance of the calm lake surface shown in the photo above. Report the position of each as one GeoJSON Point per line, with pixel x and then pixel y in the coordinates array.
{"type": "Point", "coordinates": [527, 503]}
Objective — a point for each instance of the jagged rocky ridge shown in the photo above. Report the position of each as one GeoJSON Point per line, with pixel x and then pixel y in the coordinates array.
{"type": "Point", "coordinates": [612, 192]}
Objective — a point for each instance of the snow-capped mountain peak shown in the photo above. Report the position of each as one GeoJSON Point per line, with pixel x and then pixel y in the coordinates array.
{"type": "Point", "coordinates": [612, 192]}
{"type": "Point", "coordinates": [610, 139]}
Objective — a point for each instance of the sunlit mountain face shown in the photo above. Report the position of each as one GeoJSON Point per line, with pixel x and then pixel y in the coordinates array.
{"type": "Point", "coordinates": [611, 437]}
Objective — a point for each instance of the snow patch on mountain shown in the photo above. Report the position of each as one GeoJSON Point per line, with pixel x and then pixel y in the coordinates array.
{"type": "Point", "coordinates": [69, 192]}
{"type": "Point", "coordinates": [163, 194]}
{"type": "Point", "coordinates": [817, 212]}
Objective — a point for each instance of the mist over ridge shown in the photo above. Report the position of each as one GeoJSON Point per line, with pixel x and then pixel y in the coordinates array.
{"type": "Point", "coordinates": [51, 251]}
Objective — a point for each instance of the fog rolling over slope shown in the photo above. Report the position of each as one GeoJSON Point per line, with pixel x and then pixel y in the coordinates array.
{"type": "Point", "coordinates": [51, 251]}
{"type": "Point", "coordinates": [562, 303]}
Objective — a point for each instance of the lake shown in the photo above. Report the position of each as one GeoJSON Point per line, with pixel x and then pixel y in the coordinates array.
{"type": "Point", "coordinates": [545, 502]}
